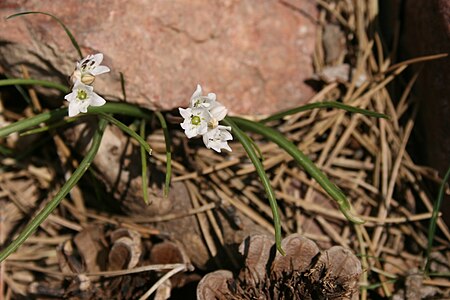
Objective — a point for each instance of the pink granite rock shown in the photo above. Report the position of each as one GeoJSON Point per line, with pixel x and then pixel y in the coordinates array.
{"type": "Point", "coordinates": [254, 55]}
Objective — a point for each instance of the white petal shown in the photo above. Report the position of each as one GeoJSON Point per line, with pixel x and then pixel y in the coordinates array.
{"type": "Point", "coordinates": [218, 111]}
{"type": "Point", "coordinates": [185, 126]}
{"type": "Point", "coordinates": [100, 70]}
{"type": "Point", "coordinates": [96, 100]}
{"type": "Point", "coordinates": [216, 146]}
{"type": "Point", "coordinates": [197, 93]}
{"type": "Point", "coordinates": [185, 112]}
{"type": "Point", "coordinates": [202, 128]}
{"type": "Point", "coordinates": [212, 97]}
{"type": "Point", "coordinates": [227, 147]}
{"type": "Point", "coordinates": [83, 108]}
{"type": "Point", "coordinates": [190, 132]}
{"type": "Point", "coordinates": [70, 97]}
{"type": "Point", "coordinates": [224, 133]}
{"type": "Point", "coordinates": [97, 58]}
{"type": "Point", "coordinates": [73, 109]}
{"type": "Point", "coordinates": [206, 140]}
{"type": "Point", "coordinates": [221, 127]}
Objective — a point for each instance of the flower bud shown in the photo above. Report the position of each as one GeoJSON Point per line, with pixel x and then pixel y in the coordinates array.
{"type": "Point", "coordinates": [87, 78]}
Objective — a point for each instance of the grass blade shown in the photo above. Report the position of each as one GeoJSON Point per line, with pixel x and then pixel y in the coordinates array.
{"type": "Point", "coordinates": [245, 141]}
{"type": "Point", "coordinates": [65, 189]}
{"type": "Point", "coordinates": [6, 151]}
{"type": "Point", "coordinates": [121, 108]}
{"type": "Point", "coordinates": [331, 104]}
{"type": "Point", "coordinates": [53, 126]}
{"type": "Point", "coordinates": [127, 130]}
{"type": "Point", "coordinates": [305, 162]}
{"type": "Point", "coordinates": [22, 92]}
{"type": "Point", "coordinates": [33, 121]}
{"type": "Point", "coordinates": [144, 165]}
{"type": "Point", "coordinates": [122, 84]}
{"type": "Point", "coordinates": [44, 83]}
{"type": "Point", "coordinates": [69, 34]}
{"type": "Point", "coordinates": [163, 123]}
{"type": "Point", "coordinates": [434, 219]}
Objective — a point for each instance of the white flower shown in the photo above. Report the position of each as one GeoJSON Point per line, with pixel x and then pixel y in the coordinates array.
{"type": "Point", "coordinates": [203, 117]}
{"type": "Point", "coordinates": [199, 101]}
{"type": "Point", "coordinates": [88, 68]}
{"type": "Point", "coordinates": [217, 138]}
{"type": "Point", "coordinates": [217, 113]}
{"type": "Point", "coordinates": [81, 98]}
{"type": "Point", "coordinates": [195, 121]}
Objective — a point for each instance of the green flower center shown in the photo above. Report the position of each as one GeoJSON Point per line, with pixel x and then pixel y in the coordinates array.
{"type": "Point", "coordinates": [82, 95]}
{"type": "Point", "coordinates": [195, 120]}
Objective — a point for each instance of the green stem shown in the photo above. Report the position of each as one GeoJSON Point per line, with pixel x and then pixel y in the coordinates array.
{"type": "Point", "coordinates": [69, 34]}
{"type": "Point", "coordinates": [122, 108]}
{"type": "Point", "coordinates": [245, 141]}
{"type": "Point", "coordinates": [127, 130]}
{"type": "Point", "coordinates": [163, 123]}
{"type": "Point", "coordinates": [47, 210]}
{"type": "Point", "coordinates": [144, 165]}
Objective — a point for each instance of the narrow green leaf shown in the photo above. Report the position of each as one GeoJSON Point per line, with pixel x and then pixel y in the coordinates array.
{"type": "Point", "coordinates": [163, 123]}
{"type": "Point", "coordinates": [434, 219]}
{"type": "Point", "coordinates": [245, 141]}
{"type": "Point", "coordinates": [144, 165]}
{"type": "Point", "coordinates": [5, 150]}
{"type": "Point", "coordinates": [21, 91]}
{"type": "Point", "coordinates": [33, 121]}
{"type": "Point", "coordinates": [121, 108]}
{"type": "Point", "coordinates": [55, 125]}
{"type": "Point", "coordinates": [440, 274]}
{"type": "Point", "coordinates": [258, 151]}
{"type": "Point", "coordinates": [71, 182]}
{"type": "Point", "coordinates": [44, 83]}
{"type": "Point", "coordinates": [122, 84]}
{"type": "Point", "coordinates": [69, 34]}
{"type": "Point", "coordinates": [305, 162]}
{"type": "Point", "coordinates": [127, 130]}
{"type": "Point", "coordinates": [379, 284]}
{"type": "Point", "coordinates": [57, 114]}
{"type": "Point", "coordinates": [331, 104]}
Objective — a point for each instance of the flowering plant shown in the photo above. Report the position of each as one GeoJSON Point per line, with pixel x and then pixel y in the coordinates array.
{"type": "Point", "coordinates": [202, 117]}
{"type": "Point", "coordinates": [83, 95]}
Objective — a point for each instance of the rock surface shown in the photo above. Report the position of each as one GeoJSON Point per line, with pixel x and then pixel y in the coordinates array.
{"type": "Point", "coordinates": [255, 57]}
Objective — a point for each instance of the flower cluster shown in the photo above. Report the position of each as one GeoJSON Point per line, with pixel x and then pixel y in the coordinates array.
{"type": "Point", "coordinates": [202, 117]}
{"type": "Point", "coordinates": [83, 95]}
